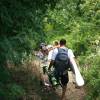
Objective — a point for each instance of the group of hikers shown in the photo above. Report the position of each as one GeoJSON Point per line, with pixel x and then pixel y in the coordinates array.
{"type": "Point", "coordinates": [59, 57]}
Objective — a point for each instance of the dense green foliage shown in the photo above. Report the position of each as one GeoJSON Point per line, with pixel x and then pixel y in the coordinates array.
{"type": "Point", "coordinates": [26, 23]}
{"type": "Point", "coordinates": [78, 21]}
{"type": "Point", "coordinates": [93, 78]}
{"type": "Point", "coordinates": [21, 29]}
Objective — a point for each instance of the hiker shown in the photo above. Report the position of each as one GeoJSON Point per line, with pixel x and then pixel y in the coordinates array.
{"type": "Point", "coordinates": [46, 77]}
{"type": "Point", "coordinates": [61, 68]}
{"type": "Point", "coordinates": [50, 50]}
{"type": "Point", "coordinates": [43, 49]}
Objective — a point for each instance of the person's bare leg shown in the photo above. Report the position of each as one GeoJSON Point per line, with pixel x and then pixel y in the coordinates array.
{"type": "Point", "coordinates": [63, 92]}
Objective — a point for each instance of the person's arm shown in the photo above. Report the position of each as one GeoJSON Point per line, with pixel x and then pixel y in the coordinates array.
{"type": "Point", "coordinates": [51, 64]}
{"type": "Point", "coordinates": [73, 63]}
{"type": "Point", "coordinates": [53, 56]}
{"type": "Point", "coordinates": [72, 60]}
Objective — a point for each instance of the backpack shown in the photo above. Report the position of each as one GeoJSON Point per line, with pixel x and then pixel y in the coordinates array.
{"type": "Point", "coordinates": [61, 62]}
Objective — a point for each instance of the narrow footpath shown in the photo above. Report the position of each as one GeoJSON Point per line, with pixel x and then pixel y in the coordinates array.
{"type": "Point", "coordinates": [73, 93]}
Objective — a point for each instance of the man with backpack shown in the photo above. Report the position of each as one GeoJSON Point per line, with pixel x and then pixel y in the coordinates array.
{"type": "Point", "coordinates": [60, 60]}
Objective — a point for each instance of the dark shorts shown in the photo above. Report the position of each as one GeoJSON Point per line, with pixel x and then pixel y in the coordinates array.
{"type": "Point", "coordinates": [63, 78]}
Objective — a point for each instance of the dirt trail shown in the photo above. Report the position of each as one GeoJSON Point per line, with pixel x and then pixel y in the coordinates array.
{"type": "Point", "coordinates": [72, 93]}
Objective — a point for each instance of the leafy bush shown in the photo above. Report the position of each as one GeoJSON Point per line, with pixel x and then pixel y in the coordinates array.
{"type": "Point", "coordinates": [92, 76]}
{"type": "Point", "coordinates": [15, 92]}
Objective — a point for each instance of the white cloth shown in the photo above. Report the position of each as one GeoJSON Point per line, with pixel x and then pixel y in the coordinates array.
{"type": "Point", "coordinates": [55, 51]}
{"type": "Point", "coordinates": [50, 55]}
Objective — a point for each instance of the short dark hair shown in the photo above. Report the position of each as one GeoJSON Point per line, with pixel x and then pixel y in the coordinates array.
{"type": "Point", "coordinates": [62, 42]}
{"type": "Point", "coordinates": [56, 42]}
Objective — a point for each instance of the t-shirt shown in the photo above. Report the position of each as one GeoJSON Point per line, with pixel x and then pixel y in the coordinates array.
{"type": "Point", "coordinates": [50, 55]}
{"type": "Point", "coordinates": [55, 52]}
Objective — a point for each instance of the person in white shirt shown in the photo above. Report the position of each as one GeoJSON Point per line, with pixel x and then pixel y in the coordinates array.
{"type": "Point", "coordinates": [50, 50]}
{"type": "Point", "coordinates": [64, 78]}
